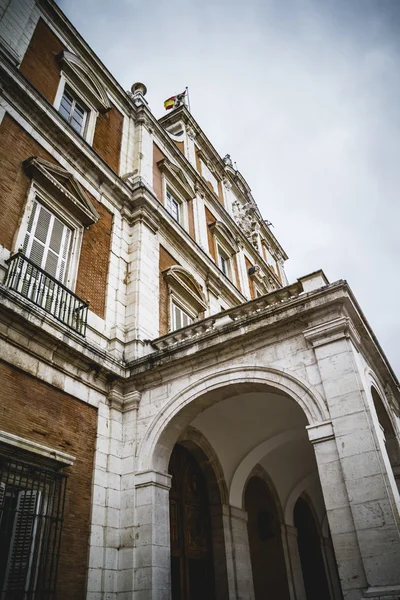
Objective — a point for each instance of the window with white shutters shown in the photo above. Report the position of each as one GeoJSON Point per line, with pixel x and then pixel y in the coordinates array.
{"type": "Point", "coordinates": [180, 318]}
{"type": "Point", "coordinates": [47, 242]}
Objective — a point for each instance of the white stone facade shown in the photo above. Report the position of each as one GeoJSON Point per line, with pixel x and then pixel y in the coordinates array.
{"type": "Point", "coordinates": [289, 386]}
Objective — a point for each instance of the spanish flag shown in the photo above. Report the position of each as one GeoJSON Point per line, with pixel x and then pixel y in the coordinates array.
{"type": "Point", "coordinates": [168, 104]}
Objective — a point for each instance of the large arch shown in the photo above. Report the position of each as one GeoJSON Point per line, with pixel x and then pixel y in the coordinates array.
{"type": "Point", "coordinates": [166, 427]}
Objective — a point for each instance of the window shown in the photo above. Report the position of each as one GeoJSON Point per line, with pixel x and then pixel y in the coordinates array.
{"type": "Point", "coordinates": [73, 111]}
{"type": "Point", "coordinates": [47, 241]}
{"type": "Point", "coordinates": [180, 318]}
{"type": "Point", "coordinates": [224, 262]}
{"type": "Point", "coordinates": [172, 206]}
{"type": "Point", "coordinates": [44, 266]}
{"type": "Point", "coordinates": [31, 516]}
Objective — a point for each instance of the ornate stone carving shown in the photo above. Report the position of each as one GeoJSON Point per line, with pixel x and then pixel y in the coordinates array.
{"type": "Point", "coordinates": [228, 161]}
{"type": "Point", "coordinates": [246, 219]}
{"type": "Point", "coordinates": [227, 184]}
{"type": "Point", "coordinates": [190, 133]}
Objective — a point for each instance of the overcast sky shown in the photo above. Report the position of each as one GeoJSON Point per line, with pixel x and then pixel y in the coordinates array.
{"type": "Point", "coordinates": [305, 96]}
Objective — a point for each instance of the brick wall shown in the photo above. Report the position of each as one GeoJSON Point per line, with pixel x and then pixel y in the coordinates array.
{"type": "Point", "coordinates": [94, 260]}
{"type": "Point", "coordinates": [166, 261]}
{"type": "Point", "coordinates": [15, 146]}
{"type": "Point", "coordinates": [157, 177]}
{"type": "Point", "coordinates": [251, 282]}
{"type": "Point", "coordinates": [191, 219]}
{"type": "Point", "coordinates": [236, 269]}
{"type": "Point", "coordinates": [211, 243]}
{"type": "Point", "coordinates": [108, 136]}
{"type": "Point", "coordinates": [39, 64]}
{"type": "Point", "coordinates": [36, 411]}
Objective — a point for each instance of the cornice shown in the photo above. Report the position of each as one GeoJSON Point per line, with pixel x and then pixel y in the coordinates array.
{"type": "Point", "coordinates": [326, 333]}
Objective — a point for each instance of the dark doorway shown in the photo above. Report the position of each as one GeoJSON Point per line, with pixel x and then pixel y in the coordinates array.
{"type": "Point", "coordinates": [312, 562]}
{"type": "Point", "coordinates": [266, 549]}
{"type": "Point", "coordinates": [192, 574]}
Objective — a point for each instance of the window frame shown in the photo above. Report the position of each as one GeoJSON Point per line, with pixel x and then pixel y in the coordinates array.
{"type": "Point", "coordinates": [37, 193]}
{"type": "Point", "coordinates": [178, 203]}
{"type": "Point", "coordinates": [91, 111]}
{"type": "Point", "coordinates": [223, 255]}
{"type": "Point", "coordinates": [176, 301]}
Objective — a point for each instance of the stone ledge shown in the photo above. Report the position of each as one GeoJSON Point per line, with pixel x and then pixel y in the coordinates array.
{"type": "Point", "coordinates": [33, 447]}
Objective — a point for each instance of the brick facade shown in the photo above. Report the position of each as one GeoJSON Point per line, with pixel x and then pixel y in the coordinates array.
{"type": "Point", "coordinates": [157, 177]}
{"type": "Point", "coordinates": [16, 145]}
{"type": "Point", "coordinates": [210, 219]}
{"type": "Point", "coordinates": [94, 260]}
{"type": "Point", "coordinates": [40, 65]}
{"type": "Point", "coordinates": [38, 412]}
{"type": "Point", "coordinates": [166, 261]}
{"type": "Point", "coordinates": [108, 136]}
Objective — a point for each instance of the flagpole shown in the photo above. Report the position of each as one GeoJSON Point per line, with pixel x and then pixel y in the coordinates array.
{"type": "Point", "coordinates": [188, 99]}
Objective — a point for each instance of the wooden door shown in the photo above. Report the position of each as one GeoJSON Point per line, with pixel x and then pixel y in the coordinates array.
{"type": "Point", "coordinates": [192, 574]}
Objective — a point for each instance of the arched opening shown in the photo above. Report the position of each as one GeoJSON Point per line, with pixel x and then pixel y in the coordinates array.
{"type": "Point", "coordinates": [265, 542]}
{"type": "Point", "coordinates": [391, 442]}
{"type": "Point", "coordinates": [312, 562]}
{"type": "Point", "coordinates": [192, 568]}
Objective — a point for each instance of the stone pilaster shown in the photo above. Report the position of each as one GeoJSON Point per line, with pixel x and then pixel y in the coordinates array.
{"type": "Point", "coordinates": [152, 562]}
{"type": "Point", "coordinates": [241, 555]}
{"type": "Point", "coordinates": [293, 563]}
{"type": "Point", "coordinates": [353, 467]}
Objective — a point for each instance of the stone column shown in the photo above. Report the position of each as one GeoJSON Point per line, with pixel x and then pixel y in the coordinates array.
{"type": "Point", "coordinates": [241, 554]}
{"type": "Point", "coordinates": [358, 490]}
{"type": "Point", "coordinates": [293, 563]}
{"type": "Point", "coordinates": [152, 559]}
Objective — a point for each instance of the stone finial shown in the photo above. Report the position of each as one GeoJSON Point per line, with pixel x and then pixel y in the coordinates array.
{"type": "Point", "coordinates": [139, 88]}
{"type": "Point", "coordinates": [137, 93]}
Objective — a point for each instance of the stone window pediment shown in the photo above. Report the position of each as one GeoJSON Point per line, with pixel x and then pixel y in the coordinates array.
{"type": "Point", "coordinates": [85, 79]}
{"type": "Point", "coordinates": [182, 282]}
{"type": "Point", "coordinates": [62, 186]}
{"type": "Point", "coordinates": [176, 176]}
{"type": "Point", "coordinates": [224, 237]}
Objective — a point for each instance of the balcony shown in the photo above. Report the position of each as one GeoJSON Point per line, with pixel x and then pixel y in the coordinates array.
{"type": "Point", "coordinates": [33, 283]}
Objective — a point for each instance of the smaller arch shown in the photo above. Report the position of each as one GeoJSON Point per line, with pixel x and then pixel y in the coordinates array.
{"type": "Point", "coordinates": [209, 463]}
{"type": "Point", "coordinates": [295, 494]}
{"type": "Point", "coordinates": [182, 280]}
{"type": "Point", "coordinates": [240, 476]}
{"type": "Point", "coordinates": [85, 76]}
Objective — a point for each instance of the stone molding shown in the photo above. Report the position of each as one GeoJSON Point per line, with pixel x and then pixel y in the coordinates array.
{"type": "Point", "coordinates": [320, 432]}
{"type": "Point", "coordinates": [153, 478]}
{"type": "Point", "coordinates": [33, 447]}
{"type": "Point", "coordinates": [334, 330]}
{"type": "Point", "coordinates": [124, 402]}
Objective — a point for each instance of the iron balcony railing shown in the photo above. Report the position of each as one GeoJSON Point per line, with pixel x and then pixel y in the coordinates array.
{"type": "Point", "coordinates": [32, 282]}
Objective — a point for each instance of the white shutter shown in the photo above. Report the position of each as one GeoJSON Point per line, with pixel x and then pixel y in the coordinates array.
{"type": "Point", "coordinates": [22, 545]}
{"type": "Point", "coordinates": [47, 241]}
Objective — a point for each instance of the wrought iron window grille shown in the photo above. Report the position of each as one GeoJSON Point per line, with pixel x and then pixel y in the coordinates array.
{"type": "Point", "coordinates": [44, 290]}
{"type": "Point", "coordinates": [32, 500]}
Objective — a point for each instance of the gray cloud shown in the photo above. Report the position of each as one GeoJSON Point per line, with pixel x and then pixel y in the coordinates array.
{"type": "Point", "coordinates": [305, 96]}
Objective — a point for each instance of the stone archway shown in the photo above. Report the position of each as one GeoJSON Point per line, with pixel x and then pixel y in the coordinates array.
{"type": "Point", "coordinates": [262, 393]}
